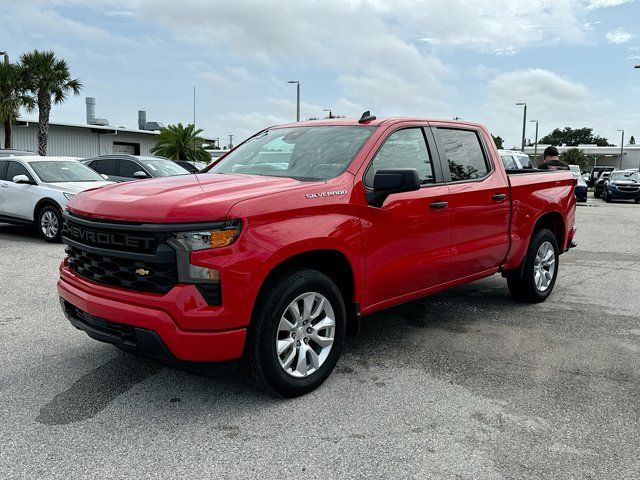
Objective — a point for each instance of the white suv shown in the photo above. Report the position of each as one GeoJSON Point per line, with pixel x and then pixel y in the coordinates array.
{"type": "Point", "coordinates": [34, 190]}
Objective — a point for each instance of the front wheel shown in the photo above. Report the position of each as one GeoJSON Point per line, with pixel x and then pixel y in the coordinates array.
{"type": "Point", "coordinates": [539, 271]}
{"type": "Point", "coordinates": [50, 224]}
{"type": "Point", "coordinates": [298, 333]}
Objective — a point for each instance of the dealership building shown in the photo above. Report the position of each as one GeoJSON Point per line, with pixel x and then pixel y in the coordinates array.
{"type": "Point", "coordinates": [96, 137]}
{"type": "Point", "coordinates": [604, 156]}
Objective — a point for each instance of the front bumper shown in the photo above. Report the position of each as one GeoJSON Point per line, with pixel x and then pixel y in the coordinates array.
{"type": "Point", "coordinates": [616, 194]}
{"type": "Point", "coordinates": [169, 327]}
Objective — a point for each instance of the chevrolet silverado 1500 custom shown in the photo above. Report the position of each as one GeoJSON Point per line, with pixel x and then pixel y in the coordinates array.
{"type": "Point", "coordinates": [275, 253]}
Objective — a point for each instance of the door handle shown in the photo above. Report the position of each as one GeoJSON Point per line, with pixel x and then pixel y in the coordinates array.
{"type": "Point", "coordinates": [498, 197]}
{"type": "Point", "coordinates": [438, 205]}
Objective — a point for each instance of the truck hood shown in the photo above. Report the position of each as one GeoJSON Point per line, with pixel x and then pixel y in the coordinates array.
{"type": "Point", "coordinates": [181, 199]}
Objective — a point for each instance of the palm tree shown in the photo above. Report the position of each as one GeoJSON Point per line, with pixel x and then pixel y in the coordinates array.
{"type": "Point", "coordinates": [47, 78]}
{"type": "Point", "coordinates": [178, 142]}
{"type": "Point", "coordinates": [12, 98]}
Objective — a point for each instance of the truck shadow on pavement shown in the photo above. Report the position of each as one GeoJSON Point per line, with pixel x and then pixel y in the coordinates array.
{"type": "Point", "coordinates": [387, 332]}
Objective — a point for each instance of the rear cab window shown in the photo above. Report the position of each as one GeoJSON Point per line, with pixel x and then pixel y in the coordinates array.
{"type": "Point", "coordinates": [464, 153]}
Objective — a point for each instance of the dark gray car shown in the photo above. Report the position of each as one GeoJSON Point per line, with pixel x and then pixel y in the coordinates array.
{"type": "Point", "coordinates": [123, 168]}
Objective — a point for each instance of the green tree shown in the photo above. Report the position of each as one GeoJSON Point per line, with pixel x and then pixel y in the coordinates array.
{"type": "Point", "coordinates": [632, 141]}
{"type": "Point", "coordinates": [12, 98]}
{"type": "Point", "coordinates": [574, 137]}
{"type": "Point", "coordinates": [497, 140]}
{"type": "Point", "coordinates": [178, 142]}
{"type": "Point", "coordinates": [48, 80]}
{"type": "Point", "coordinates": [574, 156]}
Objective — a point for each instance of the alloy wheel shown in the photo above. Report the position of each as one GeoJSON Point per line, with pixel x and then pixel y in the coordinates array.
{"type": "Point", "coordinates": [544, 266]}
{"type": "Point", "coordinates": [305, 334]}
{"type": "Point", "coordinates": [49, 224]}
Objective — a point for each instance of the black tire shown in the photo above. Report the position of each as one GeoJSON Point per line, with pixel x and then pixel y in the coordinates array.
{"type": "Point", "coordinates": [596, 194]}
{"type": "Point", "coordinates": [523, 287]}
{"type": "Point", "coordinates": [49, 215]}
{"type": "Point", "coordinates": [261, 356]}
{"type": "Point", "coordinates": [637, 200]}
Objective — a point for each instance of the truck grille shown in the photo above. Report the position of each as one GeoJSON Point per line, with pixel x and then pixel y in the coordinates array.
{"type": "Point", "coordinates": [118, 255]}
{"type": "Point", "coordinates": [122, 272]}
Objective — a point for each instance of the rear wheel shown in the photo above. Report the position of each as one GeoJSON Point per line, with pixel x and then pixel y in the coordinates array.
{"type": "Point", "coordinates": [540, 269]}
{"type": "Point", "coordinates": [298, 333]}
{"type": "Point", "coordinates": [50, 223]}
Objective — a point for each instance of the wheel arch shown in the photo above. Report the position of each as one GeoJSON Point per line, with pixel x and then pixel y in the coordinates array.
{"type": "Point", "coordinates": [553, 221]}
{"type": "Point", "coordinates": [44, 202]}
{"type": "Point", "coordinates": [331, 262]}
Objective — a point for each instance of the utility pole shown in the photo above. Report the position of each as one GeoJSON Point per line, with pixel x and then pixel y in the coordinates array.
{"type": "Point", "coordinates": [297, 82]}
{"type": "Point", "coordinates": [194, 120]}
{"type": "Point", "coordinates": [621, 147]}
{"type": "Point", "coordinates": [535, 145]}
{"type": "Point", "coordinates": [230, 142]}
{"type": "Point", "coordinates": [524, 122]}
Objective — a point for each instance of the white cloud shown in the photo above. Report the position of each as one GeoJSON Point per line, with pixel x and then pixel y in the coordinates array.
{"type": "Point", "coordinates": [553, 100]}
{"type": "Point", "coordinates": [594, 4]}
{"type": "Point", "coordinates": [618, 36]}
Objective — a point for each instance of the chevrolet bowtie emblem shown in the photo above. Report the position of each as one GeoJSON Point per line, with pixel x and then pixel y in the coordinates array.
{"type": "Point", "coordinates": [142, 272]}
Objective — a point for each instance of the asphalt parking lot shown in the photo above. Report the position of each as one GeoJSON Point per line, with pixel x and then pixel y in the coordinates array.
{"type": "Point", "coordinates": [465, 384]}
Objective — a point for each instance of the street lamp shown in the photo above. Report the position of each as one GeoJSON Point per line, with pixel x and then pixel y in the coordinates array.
{"type": "Point", "coordinates": [535, 147]}
{"type": "Point", "coordinates": [328, 110]}
{"type": "Point", "coordinates": [621, 147]}
{"type": "Point", "coordinates": [524, 122]}
{"type": "Point", "coordinates": [297, 82]}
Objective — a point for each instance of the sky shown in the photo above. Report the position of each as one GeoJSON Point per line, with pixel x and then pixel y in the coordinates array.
{"type": "Point", "coordinates": [571, 61]}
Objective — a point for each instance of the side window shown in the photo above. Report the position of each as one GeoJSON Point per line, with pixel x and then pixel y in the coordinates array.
{"type": "Point", "coordinates": [464, 154]}
{"type": "Point", "coordinates": [108, 167]}
{"type": "Point", "coordinates": [128, 168]}
{"type": "Point", "coordinates": [16, 168]}
{"type": "Point", "coordinates": [405, 148]}
{"type": "Point", "coordinates": [509, 162]}
{"type": "Point", "coordinates": [3, 166]}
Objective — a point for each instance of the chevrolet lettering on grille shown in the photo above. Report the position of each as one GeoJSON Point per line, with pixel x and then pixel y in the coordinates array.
{"type": "Point", "coordinates": [86, 235]}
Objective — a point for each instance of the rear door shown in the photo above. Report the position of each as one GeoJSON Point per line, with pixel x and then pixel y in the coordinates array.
{"type": "Point", "coordinates": [478, 200]}
{"type": "Point", "coordinates": [406, 240]}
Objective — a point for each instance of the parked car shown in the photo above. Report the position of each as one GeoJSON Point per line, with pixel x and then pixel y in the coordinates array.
{"type": "Point", "coordinates": [515, 160]}
{"type": "Point", "coordinates": [277, 260]}
{"type": "Point", "coordinates": [124, 168]}
{"type": "Point", "coordinates": [191, 166]}
{"type": "Point", "coordinates": [596, 172]}
{"type": "Point", "coordinates": [34, 190]}
{"type": "Point", "coordinates": [6, 152]}
{"type": "Point", "coordinates": [598, 187]}
{"type": "Point", "coordinates": [581, 188]}
{"type": "Point", "coordinates": [622, 185]}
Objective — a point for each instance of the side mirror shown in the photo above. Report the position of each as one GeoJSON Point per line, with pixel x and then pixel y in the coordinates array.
{"type": "Point", "coordinates": [390, 181]}
{"type": "Point", "coordinates": [106, 177]}
{"type": "Point", "coordinates": [140, 174]}
{"type": "Point", "coordinates": [21, 179]}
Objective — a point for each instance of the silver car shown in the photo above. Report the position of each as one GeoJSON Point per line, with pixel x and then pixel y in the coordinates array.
{"type": "Point", "coordinates": [34, 190]}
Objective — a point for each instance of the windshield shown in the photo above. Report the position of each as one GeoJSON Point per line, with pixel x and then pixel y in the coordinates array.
{"type": "Point", "coordinates": [303, 153]}
{"type": "Point", "coordinates": [64, 171]}
{"type": "Point", "coordinates": [163, 168]}
{"type": "Point", "coordinates": [629, 176]}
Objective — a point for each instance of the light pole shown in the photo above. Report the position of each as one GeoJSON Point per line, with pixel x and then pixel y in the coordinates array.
{"type": "Point", "coordinates": [524, 122]}
{"type": "Point", "coordinates": [621, 147]}
{"type": "Point", "coordinates": [297, 82]}
{"type": "Point", "coordinates": [328, 110]}
{"type": "Point", "coordinates": [535, 145]}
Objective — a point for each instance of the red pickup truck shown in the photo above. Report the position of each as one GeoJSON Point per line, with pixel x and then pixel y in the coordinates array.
{"type": "Point", "coordinates": [275, 253]}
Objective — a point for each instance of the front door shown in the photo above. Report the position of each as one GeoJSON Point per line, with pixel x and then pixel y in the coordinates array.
{"type": "Point", "coordinates": [406, 241]}
{"type": "Point", "coordinates": [18, 197]}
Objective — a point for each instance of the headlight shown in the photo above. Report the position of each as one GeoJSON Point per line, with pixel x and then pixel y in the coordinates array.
{"type": "Point", "coordinates": [69, 195]}
{"type": "Point", "coordinates": [186, 242]}
{"type": "Point", "coordinates": [208, 239]}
